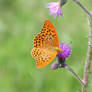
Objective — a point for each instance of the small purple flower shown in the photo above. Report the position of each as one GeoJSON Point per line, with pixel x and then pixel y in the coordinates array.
{"type": "Point", "coordinates": [67, 50]}
{"type": "Point", "coordinates": [54, 66]}
{"type": "Point", "coordinates": [55, 9]}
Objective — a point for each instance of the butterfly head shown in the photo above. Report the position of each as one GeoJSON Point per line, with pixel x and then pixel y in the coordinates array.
{"type": "Point", "coordinates": [58, 49]}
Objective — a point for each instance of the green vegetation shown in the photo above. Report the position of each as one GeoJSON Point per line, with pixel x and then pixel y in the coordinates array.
{"type": "Point", "coordinates": [20, 21]}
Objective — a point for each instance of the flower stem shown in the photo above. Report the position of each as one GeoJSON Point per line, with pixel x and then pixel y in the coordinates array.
{"type": "Point", "coordinates": [89, 52]}
{"type": "Point", "coordinates": [62, 2]}
{"type": "Point", "coordinates": [82, 6]}
{"type": "Point", "coordinates": [89, 57]}
{"type": "Point", "coordinates": [74, 73]}
{"type": "Point", "coordinates": [88, 61]}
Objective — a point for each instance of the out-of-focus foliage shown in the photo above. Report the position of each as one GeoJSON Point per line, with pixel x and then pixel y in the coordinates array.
{"type": "Point", "coordinates": [20, 21]}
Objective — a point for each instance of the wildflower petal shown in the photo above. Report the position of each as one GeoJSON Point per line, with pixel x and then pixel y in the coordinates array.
{"type": "Point", "coordinates": [54, 8]}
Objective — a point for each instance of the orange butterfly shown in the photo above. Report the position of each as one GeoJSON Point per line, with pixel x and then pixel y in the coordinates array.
{"type": "Point", "coordinates": [46, 45]}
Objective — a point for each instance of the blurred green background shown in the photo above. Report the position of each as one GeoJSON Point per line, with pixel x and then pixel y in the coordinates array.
{"type": "Point", "coordinates": [20, 21]}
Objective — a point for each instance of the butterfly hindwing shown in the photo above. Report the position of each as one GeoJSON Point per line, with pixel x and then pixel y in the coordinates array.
{"type": "Point", "coordinates": [43, 56]}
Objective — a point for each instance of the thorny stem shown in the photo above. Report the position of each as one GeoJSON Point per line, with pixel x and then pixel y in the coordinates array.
{"type": "Point", "coordinates": [85, 9]}
{"type": "Point", "coordinates": [74, 73]}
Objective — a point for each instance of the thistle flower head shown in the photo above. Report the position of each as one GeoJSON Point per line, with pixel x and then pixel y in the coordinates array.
{"type": "Point", "coordinates": [55, 9]}
{"type": "Point", "coordinates": [66, 51]}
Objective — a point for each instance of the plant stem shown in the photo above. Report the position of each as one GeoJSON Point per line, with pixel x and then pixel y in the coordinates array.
{"type": "Point", "coordinates": [88, 61]}
{"type": "Point", "coordinates": [74, 73]}
{"type": "Point", "coordinates": [89, 57]}
{"type": "Point", "coordinates": [62, 2]}
{"type": "Point", "coordinates": [82, 6]}
{"type": "Point", "coordinates": [89, 52]}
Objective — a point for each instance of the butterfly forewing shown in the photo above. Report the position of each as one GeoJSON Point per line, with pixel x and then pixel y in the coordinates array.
{"type": "Point", "coordinates": [49, 34]}
{"type": "Point", "coordinates": [47, 37]}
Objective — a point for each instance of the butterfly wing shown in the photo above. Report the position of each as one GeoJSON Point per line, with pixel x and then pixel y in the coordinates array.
{"type": "Point", "coordinates": [43, 43]}
{"type": "Point", "coordinates": [47, 37]}
{"type": "Point", "coordinates": [43, 56]}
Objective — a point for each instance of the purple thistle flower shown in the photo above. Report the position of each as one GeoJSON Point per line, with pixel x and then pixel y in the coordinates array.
{"type": "Point", "coordinates": [55, 9]}
{"type": "Point", "coordinates": [67, 50]}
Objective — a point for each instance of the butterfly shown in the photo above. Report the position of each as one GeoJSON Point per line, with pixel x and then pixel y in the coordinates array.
{"type": "Point", "coordinates": [45, 45]}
